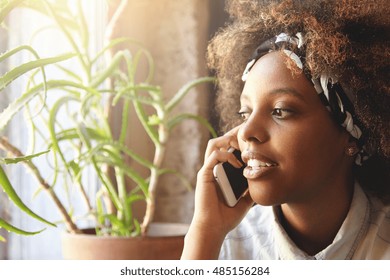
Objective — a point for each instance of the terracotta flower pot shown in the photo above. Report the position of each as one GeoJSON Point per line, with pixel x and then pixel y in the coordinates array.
{"type": "Point", "coordinates": [164, 242]}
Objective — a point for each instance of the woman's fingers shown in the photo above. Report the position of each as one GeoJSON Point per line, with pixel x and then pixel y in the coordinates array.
{"type": "Point", "coordinates": [219, 156]}
{"type": "Point", "coordinates": [223, 143]}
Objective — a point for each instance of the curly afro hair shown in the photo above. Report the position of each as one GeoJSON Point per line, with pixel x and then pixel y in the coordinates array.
{"type": "Point", "coordinates": [346, 38]}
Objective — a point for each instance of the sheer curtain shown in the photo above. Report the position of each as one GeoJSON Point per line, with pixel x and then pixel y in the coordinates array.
{"type": "Point", "coordinates": [23, 25]}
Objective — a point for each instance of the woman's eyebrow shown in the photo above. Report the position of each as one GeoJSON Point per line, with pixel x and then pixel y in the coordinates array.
{"type": "Point", "coordinates": [279, 91]}
{"type": "Point", "coordinates": [288, 91]}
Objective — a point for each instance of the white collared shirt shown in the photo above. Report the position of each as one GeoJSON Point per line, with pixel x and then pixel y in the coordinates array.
{"type": "Point", "coordinates": [364, 234]}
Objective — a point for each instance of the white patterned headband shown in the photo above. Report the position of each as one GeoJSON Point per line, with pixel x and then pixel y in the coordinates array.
{"type": "Point", "coordinates": [327, 87]}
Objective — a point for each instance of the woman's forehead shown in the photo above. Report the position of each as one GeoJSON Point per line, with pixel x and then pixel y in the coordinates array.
{"type": "Point", "coordinates": [274, 71]}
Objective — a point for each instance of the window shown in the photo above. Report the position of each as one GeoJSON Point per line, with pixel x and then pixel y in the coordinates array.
{"type": "Point", "coordinates": [29, 27]}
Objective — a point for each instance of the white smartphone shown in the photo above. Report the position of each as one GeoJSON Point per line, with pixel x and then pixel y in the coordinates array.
{"type": "Point", "coordinates": [231, 180]}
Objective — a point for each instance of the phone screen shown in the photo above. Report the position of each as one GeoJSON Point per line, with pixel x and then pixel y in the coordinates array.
{"type": "Point", "coordinates": [237, 180]}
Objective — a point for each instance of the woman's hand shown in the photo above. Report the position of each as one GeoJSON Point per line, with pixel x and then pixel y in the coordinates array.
{"type": "Point", "coordinates": [213, 219]}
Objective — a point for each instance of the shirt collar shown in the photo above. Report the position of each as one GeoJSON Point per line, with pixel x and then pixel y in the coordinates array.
{"type": "Point", "coordinates": [344, 244]}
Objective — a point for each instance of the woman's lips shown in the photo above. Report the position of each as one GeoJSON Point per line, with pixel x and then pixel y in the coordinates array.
{"type": "Point", "coordinates": [257, 172]}
{"type": "Point", "coordinates": [257, 165]}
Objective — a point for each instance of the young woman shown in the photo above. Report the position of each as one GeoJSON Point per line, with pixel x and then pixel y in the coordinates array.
{"type": "Point", "coordinates": [314, 133]}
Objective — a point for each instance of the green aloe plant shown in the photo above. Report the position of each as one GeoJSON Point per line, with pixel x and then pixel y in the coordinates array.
{"type": "Point", "coordinates": [84, 96]}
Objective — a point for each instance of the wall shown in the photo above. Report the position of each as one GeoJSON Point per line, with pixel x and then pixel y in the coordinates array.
{"type": "Point", "coordinates": [176, 34]}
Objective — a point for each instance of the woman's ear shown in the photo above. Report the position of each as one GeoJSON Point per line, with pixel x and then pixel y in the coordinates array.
{"type": "Point", "coordinates": [351, 148]}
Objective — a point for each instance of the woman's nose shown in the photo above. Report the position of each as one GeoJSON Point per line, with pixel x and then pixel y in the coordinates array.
{"type": "Point", "coordinates": [253, 130]}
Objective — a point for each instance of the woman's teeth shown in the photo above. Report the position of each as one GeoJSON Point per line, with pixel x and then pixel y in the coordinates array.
{"type": "Point", "coordinates": [253, 163]}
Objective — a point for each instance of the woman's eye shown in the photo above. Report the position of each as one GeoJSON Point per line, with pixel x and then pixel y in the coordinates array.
{"type": "Point", "coordinates": [244, 115]}
{"type": "Point", "coordinates": [280, 113]}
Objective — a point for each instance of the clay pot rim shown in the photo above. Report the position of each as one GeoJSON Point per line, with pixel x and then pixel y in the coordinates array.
{"type": "Point", "coordinates": [155, 233]}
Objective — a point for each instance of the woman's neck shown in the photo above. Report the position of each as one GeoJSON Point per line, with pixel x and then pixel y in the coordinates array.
{"type": "Point", "coordinates": [313, 225]}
